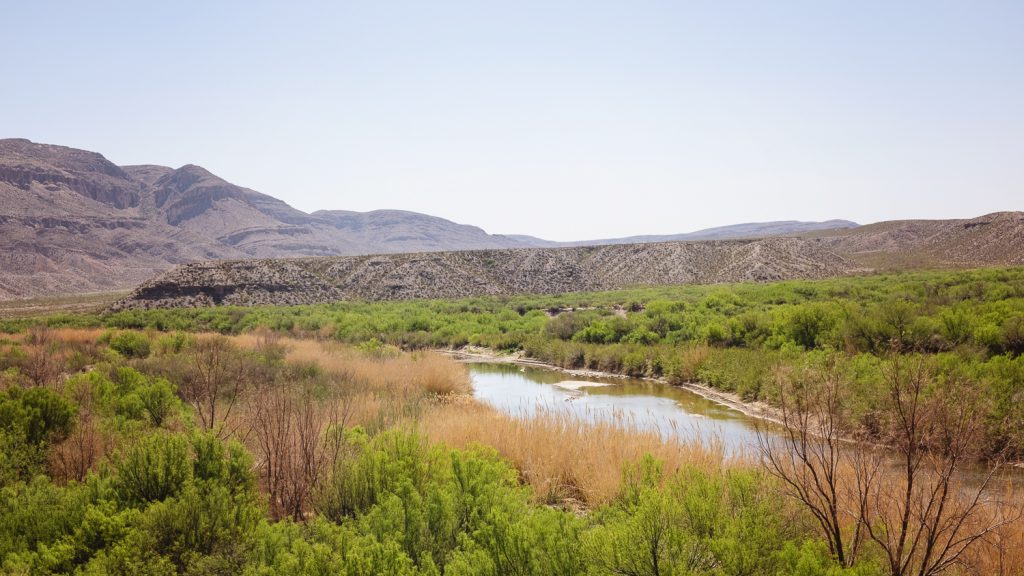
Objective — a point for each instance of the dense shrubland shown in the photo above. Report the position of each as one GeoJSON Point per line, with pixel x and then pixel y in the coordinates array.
{"type": "Point", "coordinates": [322, 458]}
{"type": "Point", "coordinates": [968, 324]}
{"type": "Point", "coordinates": [324, 439]}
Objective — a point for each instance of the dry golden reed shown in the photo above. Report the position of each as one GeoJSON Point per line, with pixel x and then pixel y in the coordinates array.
{"type": "Point", "coordinates": [399, 373]}
{"type": "Point", "coordinates": [562, 456]}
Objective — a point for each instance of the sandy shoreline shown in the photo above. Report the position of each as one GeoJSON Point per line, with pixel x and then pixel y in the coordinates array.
{"type": "Point", "coordinates": [577, 385]}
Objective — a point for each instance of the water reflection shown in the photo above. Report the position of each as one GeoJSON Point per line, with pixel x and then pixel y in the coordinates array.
{"type": "Point", "coordinates": [671, 411]}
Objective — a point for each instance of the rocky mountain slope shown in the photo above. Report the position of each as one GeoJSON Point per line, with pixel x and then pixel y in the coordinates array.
{"type": "Point", "coordinates": [72, 222]}
{"type": "Point", "coordinates": [995, 239]}
{"type": "Point", "coordinates": [484, 272]}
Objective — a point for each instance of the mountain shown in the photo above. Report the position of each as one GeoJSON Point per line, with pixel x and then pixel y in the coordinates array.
{"type": "Point", "coordinates": [388, 231]}
{"type": "Point", "coordinates": [71, 221]}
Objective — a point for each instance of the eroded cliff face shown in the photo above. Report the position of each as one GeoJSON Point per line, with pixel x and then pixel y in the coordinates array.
{"type": "Point", "coordinates": [25, 164]}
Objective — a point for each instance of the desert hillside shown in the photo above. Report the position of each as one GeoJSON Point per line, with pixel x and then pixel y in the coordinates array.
{"type": "Point", "coordinates": [995, 239]}
{"type": "Point", "coordinates": [73, 222]}
{"type": "Point", "coordinates": [484, 272]}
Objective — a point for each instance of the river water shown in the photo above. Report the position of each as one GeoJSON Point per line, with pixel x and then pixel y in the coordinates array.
{"type": "Point", "coordinates": [671, 411]}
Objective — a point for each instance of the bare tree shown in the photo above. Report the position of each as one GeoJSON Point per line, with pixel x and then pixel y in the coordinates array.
{"type": "Point", "coordinates": [73, 458]}
{"type": "Point", "coordinates": [912, 495]}
{"type": "Point", "coordinates": [295, 435]}
{"type": "Point", "coordinates": [925, 510]}
{"type": "Point", "coordinates": [807, 455]}
{"type": "Point", "coordinates": [42, 363]}
{"type": "Point", "coordinates": [217, 377]}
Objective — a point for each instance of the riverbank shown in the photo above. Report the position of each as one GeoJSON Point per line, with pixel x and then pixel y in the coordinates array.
{"type": "Point", "coordinates": [759, 410]}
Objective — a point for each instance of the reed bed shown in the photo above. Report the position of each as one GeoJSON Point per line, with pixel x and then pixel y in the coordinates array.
{"type": "Point", "coordinates": [564, 457]}
{"type": "Point", "coordinates": [397, 372]}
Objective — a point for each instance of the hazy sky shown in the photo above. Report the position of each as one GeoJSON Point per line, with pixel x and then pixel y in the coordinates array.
{"type": "Point", "coordinates": [564, 120]}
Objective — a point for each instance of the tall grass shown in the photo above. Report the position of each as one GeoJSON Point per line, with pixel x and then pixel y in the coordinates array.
{"type": "Point", "coordinates": [564, 457]}
{"type": "Point", "coordinates": [398, 372]}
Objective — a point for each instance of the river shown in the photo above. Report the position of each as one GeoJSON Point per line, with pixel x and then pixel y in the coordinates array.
{"type": "Point", "coordinates": [671, 411]}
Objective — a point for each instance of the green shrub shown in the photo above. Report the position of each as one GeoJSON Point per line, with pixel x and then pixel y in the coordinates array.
{"type": "Point", "coordinates": [38, 513]}
{"type": "Point", "coordinates": [153, 469]}
{"type": "Point", "coordinates": [130, 344]}
{"type": "Point", "coordinates": [810, 325]}
{"type": "Point", "coordinates": [38, 414]}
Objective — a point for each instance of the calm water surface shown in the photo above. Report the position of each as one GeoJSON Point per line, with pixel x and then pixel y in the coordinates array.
{"type": "Point", "coordinates": [523, 390]}
{"type": "Point", "coordinates": [673, 412]}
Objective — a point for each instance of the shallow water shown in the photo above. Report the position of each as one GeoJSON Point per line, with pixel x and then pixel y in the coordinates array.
{"type": "Point", "coordinates": [671, 411]}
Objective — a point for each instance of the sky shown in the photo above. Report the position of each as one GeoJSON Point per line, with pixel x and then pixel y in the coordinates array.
{"type": "Point", "coordinates": [563, 120]}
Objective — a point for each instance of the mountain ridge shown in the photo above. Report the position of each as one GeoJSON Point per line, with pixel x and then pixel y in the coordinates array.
{"type": "Point", "coordinates": [728, 232]}
{"type": "Point", "coordinates": [71, 221]}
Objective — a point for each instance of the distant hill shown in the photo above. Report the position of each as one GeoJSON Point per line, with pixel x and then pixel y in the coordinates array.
{"type": "Point", "coordinates": [387, 231]}
{"type": "Point", "coordinates": [484, 272]}
{"type": "Point", "coordinates": [733, 232]}
{"type": "Point", "coordinates": [995, 239]}
{"type": "Point", "coordinates": [73, 222]}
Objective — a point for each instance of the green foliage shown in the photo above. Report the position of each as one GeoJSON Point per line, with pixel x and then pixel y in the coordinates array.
{"type": "Point", "coordinates": [446, 510]}
{"type": "Point", "coordinates": [127, 397]}
{"type": "Point", "coordinates": [695, 523]}
{"type": "Point", "coordinates": [130, 344]}
{"type": "Point", "coordinates": [171, 501]}
{"type": "Point", "coordinates": [38, 512]}
{"type": "Point", "coordinates": [42, 415]}
{"type": "Point", "coordinates": [377, 349]}
{"type": "Point", "coordinates": [169, 505]}
{"type": "Point", "coordinates": [30, 420]}
{"type": "Point", "coordinates": [810, 325]}
{"type": "Point", "coordinates": [176, 503]}
{"type": "Point", "coordinates": [155, 468]}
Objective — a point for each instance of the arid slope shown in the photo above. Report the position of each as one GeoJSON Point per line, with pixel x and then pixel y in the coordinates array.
{"type": "Point", "coordinates": [484, 272]}
{"type": "Point", "coordinates": [995, 239]}
{"type": "Point", "coordinates": [73, 222]}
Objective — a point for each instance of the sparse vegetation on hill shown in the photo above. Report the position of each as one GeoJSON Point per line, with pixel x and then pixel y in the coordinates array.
{"type": "Point", "coordinates": [482, 273]}
{"type": "Point", "coordinates": [989, 240]}
{"type": "Point", "coordinates": [72, 222]}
